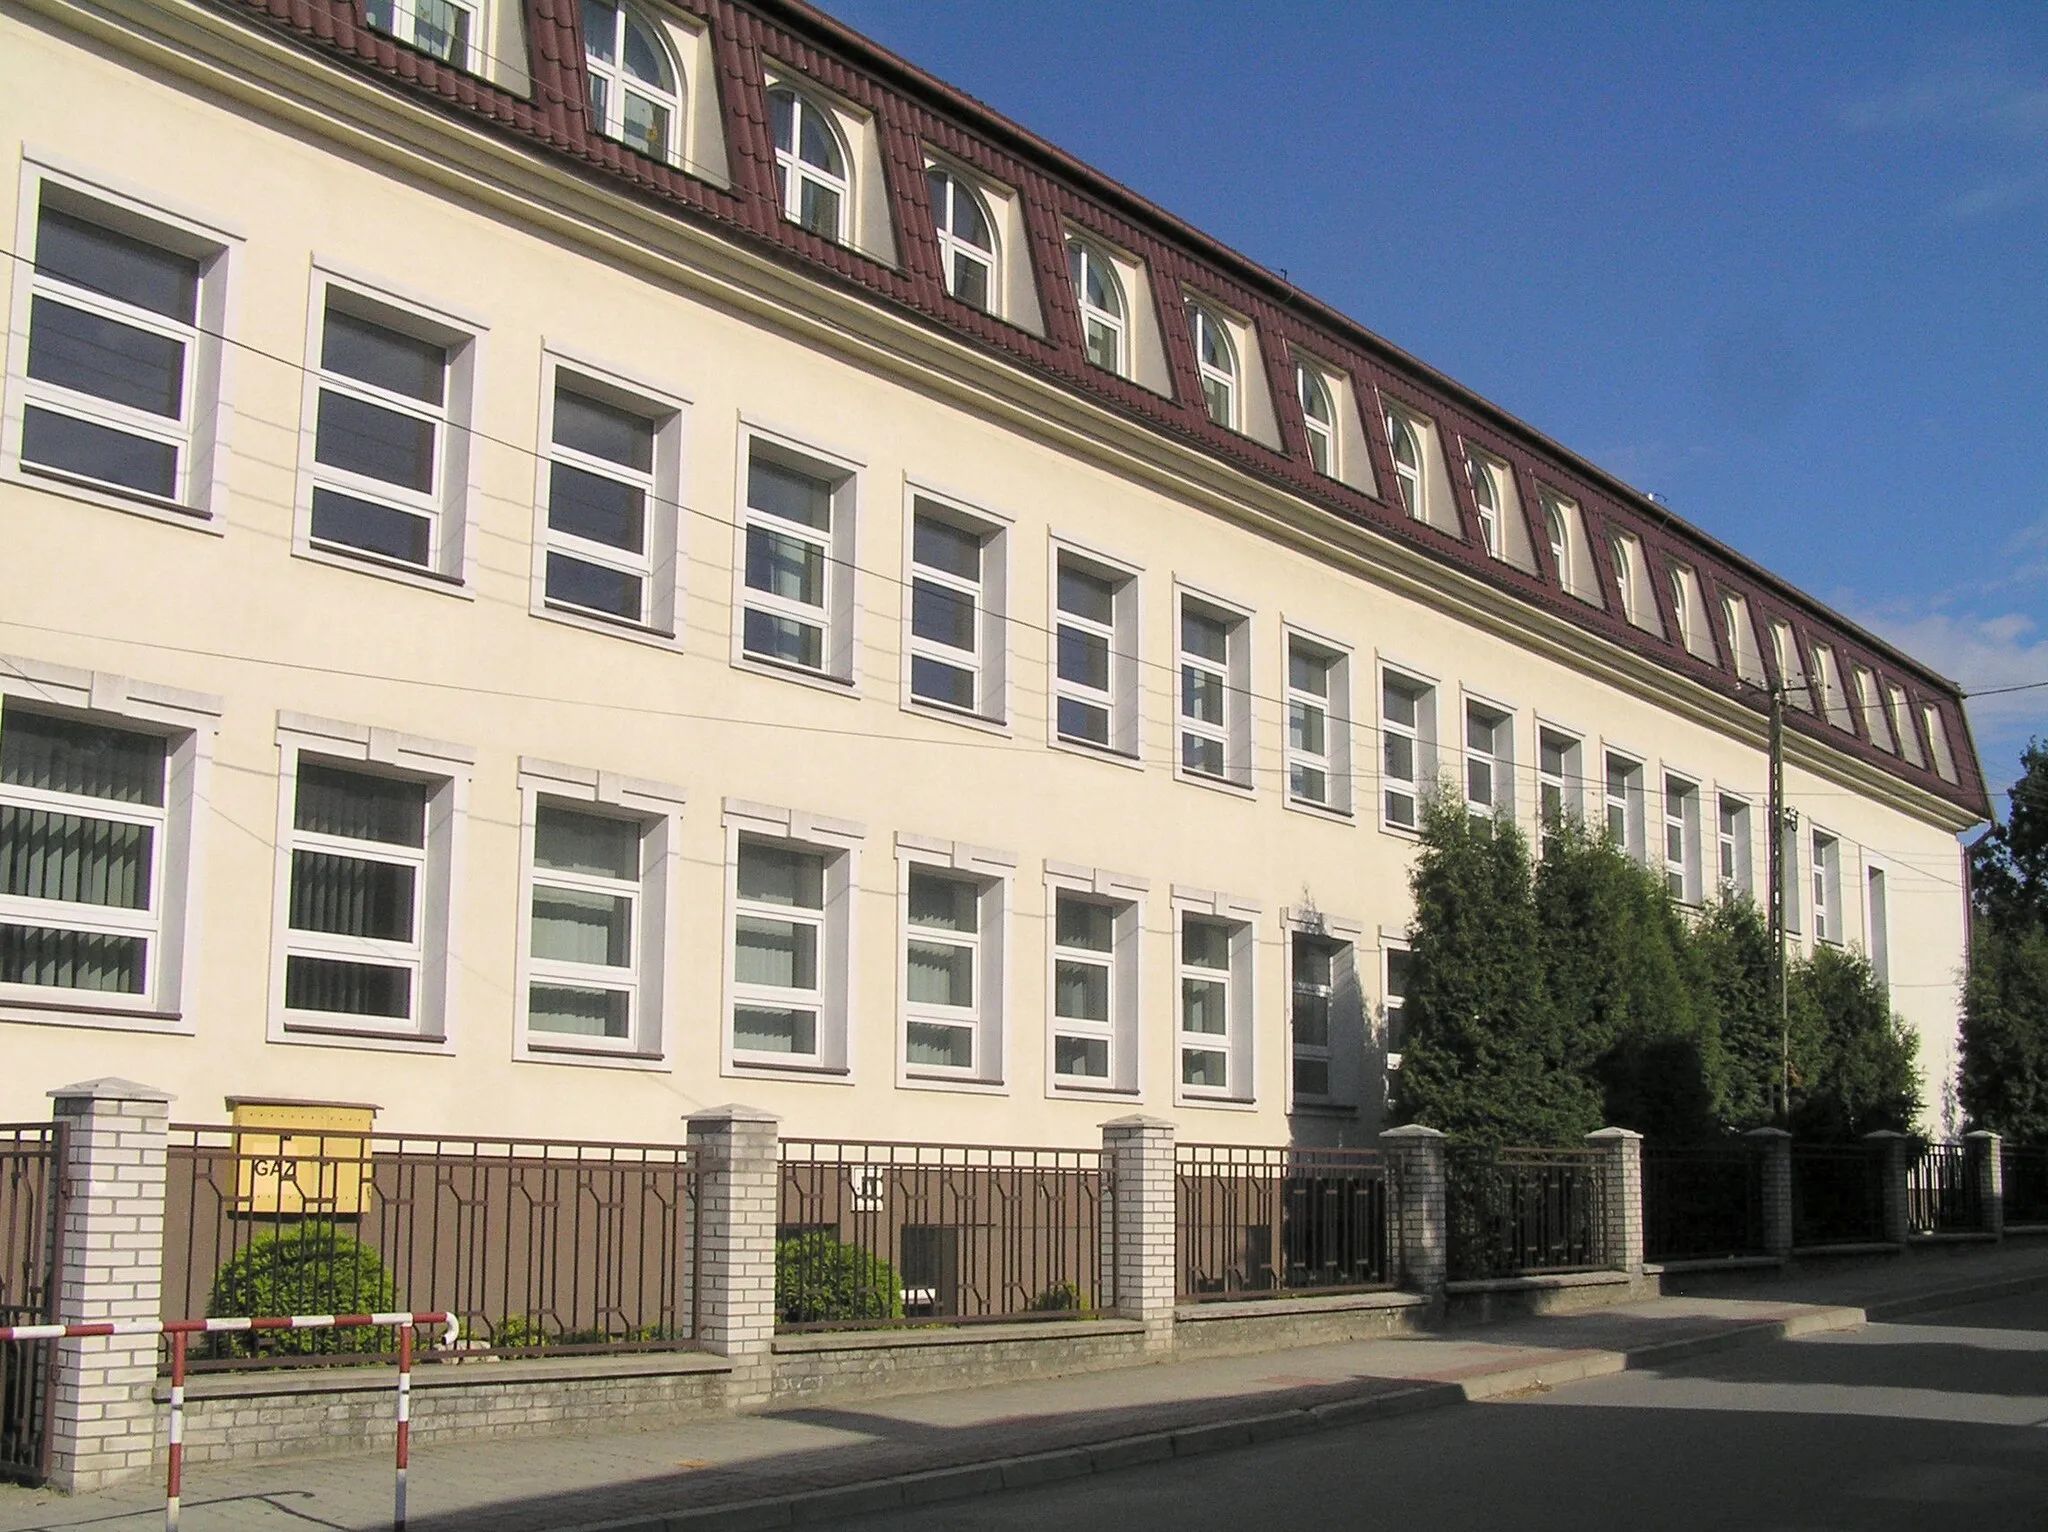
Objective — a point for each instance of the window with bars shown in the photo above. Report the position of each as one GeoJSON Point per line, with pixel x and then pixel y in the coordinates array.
{"type": "Point", "coordinates": [1407, 747]}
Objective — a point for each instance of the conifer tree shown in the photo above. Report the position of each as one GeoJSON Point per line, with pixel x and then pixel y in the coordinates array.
{"type": "Point", "coordinates": [1731, 947]}
{"type": "Point", "coordinates": [1852, 1059]}
{"type": "Point", "coordinates": [2004, 1073]}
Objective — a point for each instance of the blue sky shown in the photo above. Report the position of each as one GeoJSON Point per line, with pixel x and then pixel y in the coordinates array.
{"type": "Point", "coordinates": [1784, 265]}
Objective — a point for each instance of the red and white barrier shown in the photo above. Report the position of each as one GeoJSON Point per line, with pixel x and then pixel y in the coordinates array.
{"type": "Point", "coordinates": [179, 1331]}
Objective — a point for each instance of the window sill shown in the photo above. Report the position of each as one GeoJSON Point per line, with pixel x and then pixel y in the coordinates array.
{"type": "Point", "coordinates": [534, 1052]}
{"type": "Point", "coordinates": [1322, 811]}
{"type": "Point", "coordinates": [919, 708]}
{"type": "Point", "coordinates": [609, 627]}
{"type": "Point", "coordinates": [1216, 1103]}
{"type": "Point", "coordinates": [768, 1069]}
{"type": "Point", "coordinates": [169, 512]}
{"type": "Point", "coordinates": [1103, 753]}
{"type": "Point", "coordinates": [954, 1084]}
{"type": "Point", "coordinates": [1401, 832]}
{"type": "Point", "coordinates": [1224, 785]}
{"type": "Point", "coordinates": [384, 569]}
{"type": "Point", "coordinates": [340, 1035]}
{"type": "Point", "coordinates": [83, 1013]}
{"type": "Point", "coordinates": [818, 680]}
{"type": "Point", "coordinates": [1322, 1109]}
{"type": "Point", "coordinates": [1076, 1091]}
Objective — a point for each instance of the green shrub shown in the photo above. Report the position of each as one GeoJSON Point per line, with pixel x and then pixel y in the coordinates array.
{"type": "Point", "coordinates": [310, 1268]}
{"type": "Point", "coordinates": [526, 1332]}
{"type": "Point", "coordinates": [821, 1280]}
{"type": "Point", "coordinates": [1060, 1298]}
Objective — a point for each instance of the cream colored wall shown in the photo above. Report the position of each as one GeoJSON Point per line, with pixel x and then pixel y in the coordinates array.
{"type": "Point", "coordinates": [236, 614]}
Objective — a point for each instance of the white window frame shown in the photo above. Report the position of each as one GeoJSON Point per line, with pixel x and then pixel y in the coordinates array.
{"type": "Point", "coordinates": [1681, 605]}
{"type": "Point", "coordinates": [1622, 559]}
{"type": "Point", "coordinates": [449, 507]}
{"type": "Point", "coordinates": [1393, 1009]}
{"type": "Point", "coordinates": [1792, 860]}
{"type": "Point", "coordinates": [1411, 479]}
{"type": "Point", "coordinates": [1829, 917]}
{"type": "Point", "coordinates": [1904, 727]}
{"type": "Point", "coordinates": [404, 28]}
{"type": "Point", "coordinates": [1422, 741]}
{"type": "Point", "coordinates": [992, 875]}
{"type": "Point", "coordinates": [1733, 848]}
{"type": "Point", "coordinates": [1557, 532]}
{"type": "Point", "coordinates": [435, 953]}
{"type": "Point", "coordinates": [1875, 724]}
{"type": "Point", "coordinates": [1239, 920]}
{"type": "Point", "coordinates": [839, 842]}
{"type": "Point", "coordinates": [1500, 764]}
{"type": "Point", "coordinates": [1486, 503]}
{"type": "Point", "coordinates": [618, 82]}
{"type": "Point", "coordinates": [1226, 378]}
{"type": "Point", "coordinates": [954, 247]}
{"type": "Point", "coordinates": [201, 436]}
{"type": "Point", "coordinates": [1081, 254]}
{"type": "Point", "coordinates": [1324, 441]}
{"type": "Point", "coordinates": [795, 170]}
{"type": "Point", "coordinates": [990, 662]}
{"type": "Point", "coordinates": [661, 564]}
{"type": "Point", "coordinates": [1877, 919]}
{"type": "Point", "coordinates": [1335, 706]}
{"type": "Point", "coordinates": [1343, 1051]}
{"type": "Point", "coordinates": [1631, 801]}
{"type": "Point", "coordinates": [1568, 782]}
{"type": "Point", "coordinates": [837, 616]}
{"type": "Point", "coordinates": [188, 723]}
{"type": "Point", "coordinates": [655, 810]}
{"type": "Point", "coordinates": [1125, 897]}
{"type": "Point", "coordinates": [1234, 734]}
{"type": "Point", "coordinates": [1938, 749]}
{"type": "Point", "coordinates": [1121, 634]}
{"type": "Point", "coordinates": [1682, 877]}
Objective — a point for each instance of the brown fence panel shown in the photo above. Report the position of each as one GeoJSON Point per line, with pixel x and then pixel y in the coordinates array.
{"type": "Point", "coordinates": [874, 1234]}
{"type": "Point", "coordinates": [2024, 1176]}
{"type": "Point", "coordinates": [31, 1190]}
{"type": "Point", "coordinates": [1520, 1212]}
{"type": "Point", "coordinates": [1702, 1201]}
{"type": "Point", "coordinates": [1252, 1221]}
{"type": "Point", "coordinates": [1942, 1195]}
{"type": "Point", "coordinates": [1837, 1194]}
{"type": "Point", "coordinates": [537, 1246]}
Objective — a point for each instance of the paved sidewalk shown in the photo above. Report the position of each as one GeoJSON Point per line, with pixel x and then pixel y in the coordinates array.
{"type": "Point", "coordinates": [816, 1463]}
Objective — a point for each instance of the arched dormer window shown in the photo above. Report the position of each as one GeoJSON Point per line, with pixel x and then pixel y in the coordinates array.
{"type": "Point", "coordinates": [1216, 361]}
{"type": "Point", "coordinates": [1486, 497]}
{"type": "Point", "coordinates": [634, 94]}
{"type": "Point", "coordinates": [1101, 297]}
{"type": "Point", "coordinates": [1624, 579]}
{"type": "Point", "coordinates": [438, 28]}
{"type": "Point", "coordinates": [1681, 607]}
{"type": "Point", "coordinates": [967, 238]}
{"type": "Point", "coordinates": [1560, 542]}
{"type": "Point", "coordinates": [1320, 416]}
{"type": "Point", "coordinates": [1407, 463]}
{"type": "Point", "coordinates": [810, 164]}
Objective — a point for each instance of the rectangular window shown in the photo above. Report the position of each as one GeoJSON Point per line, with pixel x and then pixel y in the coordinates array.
{"type": "Point", "coordinates": [83, 830]}
{"type": "Point", "coordinates": [389, 471]}
{"type": "Point", "coordinates": [1624, 804]}
{"type": "Point", "coordinates": [613, 482]}
{"type": "Point", "coordinates": [1215, 998]}
{"type": "Point", "coordinates": [944, 990]}
{"type": "Point", "coordinates": [1489, 761]}
{"type": "Point", "coordinates": [1880, 927]}
{"type": "Point", "coordinates": [1828, 925]}
{"type": "Point", "coordinates": [1316, 962]}
{"type": "Point", "coordinates": [1407, 746]}
{"type": "Point", "coordinates": [1788, 844]}
{"type": "Point", "coordinates": [441, 29]}
{"type": "Point", "coordinates": [354, 947]}
{"type": "Point", "coordinates": [797, 608]}
{"type": "Point", "coordinates": [1318, 726]}
{"type": "Point", "coordinates": [588, 935]}
{"type": "Point", "coordinates": [1394, 1001]}
{"type": "Point", "coordinates": [1095, 680]}
{"type": "Point", "coordinates": [1682, 839]}
{"type": "Point", "coordinates": [779, 949]}
{"type": "Point", "coordinates": [1558, 778]}
{"type": "Point", "coordinates": [1732, 846]}
{"type": "Point", "coordinates": [1902, 725]}
{"type": "Point", "coordinates": [957, 638]}
{"type": "Point", "coordinates": [1094, 991]}
{"type": "Point", "coordinates": [1215, 704]}
{"type": "Point", "coordinates": [120, 378]}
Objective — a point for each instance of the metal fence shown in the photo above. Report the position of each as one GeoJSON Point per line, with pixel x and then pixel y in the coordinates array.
{"type": "Point", "coordinates": [536, 1246]}
{"type": "Point", "coordinates": [1702, 1201]}
{"type": "Point", "coordinates": [1837, 1194]}
{"type": "Point", "coordinates": [1515, 1212]}
{"type": "Point", "coordinates": [873, 1234]}
{"type": "Point", "coordinates": [1942, 1195]}
{"type": "Point", "coordinates": [1259, 1221]}
{"type": "Point", "coordinates": [2024, 1174]}
{"type": "Point", "coordinates": [31, 1190]}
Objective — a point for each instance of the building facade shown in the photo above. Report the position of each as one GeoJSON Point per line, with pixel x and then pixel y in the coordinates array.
{"type": "Point", "coordinates": [563, 565]}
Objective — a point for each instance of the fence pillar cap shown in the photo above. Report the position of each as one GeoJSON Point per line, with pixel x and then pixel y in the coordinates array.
{"type": "Point", "coordinates": [1140, 1120]}
{"type": "Point", "coordinates": [1414, 1130]}
{"type": "Point", "coordinates": [1766, 1133]}
{"type": "Point", "coordinates": [732, 1111]}
{"type": "Point", "coordinates": [1612, 1135]}
{"type": "Point", "coordinates": [111, 1088]}
{"type": "Point", "coordinates": [1885, 1133]}
{"type": "Point", "coordinates": [1983, 1133]}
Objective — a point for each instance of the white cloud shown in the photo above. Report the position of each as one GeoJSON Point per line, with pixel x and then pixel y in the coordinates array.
{"type": "Point", "coordinates": [1975, 94]}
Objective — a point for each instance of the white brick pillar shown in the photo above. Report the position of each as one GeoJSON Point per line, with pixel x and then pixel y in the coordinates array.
{"type": "Point", "coordinates": [1894, 1151]}
{"type": "Point", "coordinates": [110, 1267]}
{"type": "Point", "coordinates": [1418, 1174]}
{"type": "Point", "coordinates": [1986, 1152]}
{"type": "Point", "coordinates": [1139, 1223]}
{"type": "Point", "coordinates": [734, 1152]}
{"type": "Point", "coordinates": [1622, 1155]}
{"type": "Point", "coordinates": [1773, 1146]}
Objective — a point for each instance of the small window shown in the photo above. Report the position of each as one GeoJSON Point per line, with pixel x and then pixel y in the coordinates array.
{"type": "Point", "coordinates": [1788, 851]}
{"type": "Point", "coordinates": [1093, 992]}
{"type": "Point", "coordinates": [1319, 417]}
{"type": "Point", "coordinates": [797, 607]}
{"type": "Point", "coordinates": [1624, 578]}
{"type": "Point", "coordinates": [634, 94]}
{"type": "Point", "coordinates": [1558, 779]}
{"type": "Point", "coordinates": [1624, 804]}
{"type": "Point", "coordinates": [781, 952]}
{"type": "Point", "coordinates": [956, 625]}
{"type": "Point", "coordinates": [1733, 846]}
{"type": "Point", "coordinates": [441, 29]}
{"type": "Point", "coordinates": [1741, 636]}
{"type": "Point", "coordinates": [1489, 761]}
{"type": "Point", "coordinates": [1827, 888]}
{"type": "Point", "coordinates": [1937, 743]}
{"type": "Point", "coordinates": [1318, 726]}
{"type": "Point", "coordinates": [810, 165]}
{"type": "Point", "coordinates": [611, 531]}
{"type": "Point", "coordinates": [1407, 449]}
{"type": "Point", "coordinates": [1103, 325]}
{"type": "Point", "coordinates": [1486, 499]}
{"type": "Point", "coordinates": [1791, 669]}
{"type": "Point", "coordinates": [1874, 722]}
{"type": "Point", "coordinates": [1394, 1001]}
{"type": "Point", "coordinates": [1215, 1001]}
{"type": "Point", "coordinates": [1560, 538]}
{"type": "Point", "coordinates": [88, 861]}
{"type": "Point", "coordinates": [1681, 606]}
{"type": "Point", "coordinates": [1215, 702]}
{"type": "Point", "coordinates": [1216, 361]}
{"type": "Point", "coordinates": [1880, 926]}
{"type": "Point", "coordinates": [967, 239]}
{"type": "Point", "coordinates": [389, 472]}
{"type": "Point", "coordinates": [945, 993]}
{"type": "Point", "coordinates": [1902, 725]}
{"type": "Point", "coordinates": [1682, 840]}
{"type": "Point", "coordinates": [1408, 747]}
{"type": "Point", "coordinates": [1095, 681]}
{"type": "Point", "coordinates": [590, 947]}
{"type": "Point", "coordinates": [1834, 700]}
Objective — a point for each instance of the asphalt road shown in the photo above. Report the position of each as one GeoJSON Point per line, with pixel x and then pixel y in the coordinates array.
{"type": "Point", "coordinates": [1928, 1424]}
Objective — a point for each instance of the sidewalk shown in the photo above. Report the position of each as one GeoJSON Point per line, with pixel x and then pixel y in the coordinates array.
{"type": "Point", "coordinates": [814, 1464]}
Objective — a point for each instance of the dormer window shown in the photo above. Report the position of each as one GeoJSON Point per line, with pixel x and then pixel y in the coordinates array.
{"type": "Point", "coordinates": [967, 241]}
{"type": "Point", "coordinates": [1102, 307]}
{"type": "Point", "coordinates": [438, 28]}
{"type": "Point", "coordinates": [1407, 463]}
{"type": "Point", "coordinates": [1320, 417]}
{"type": "Point", "coordinates": [1681, 606]}
{"type": "Point", "coordinates": [1216, 360]}
{"type": "Point", "coordinates": [810, 164]}
{"type": "Point", "coordinates": [1624, 579]}
{"type": "Point", "coordinates": [1560, 542]}
{"type": "Point", "coordinates": [1486, 497]}
{"type": "Point", "coordinates": [634, 96]}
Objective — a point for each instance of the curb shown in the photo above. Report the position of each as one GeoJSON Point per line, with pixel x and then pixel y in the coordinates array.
{"type": "Point", "coordinates": [969, 1480]}
{"type": "Point", "coordinates": [1950, 1297]}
